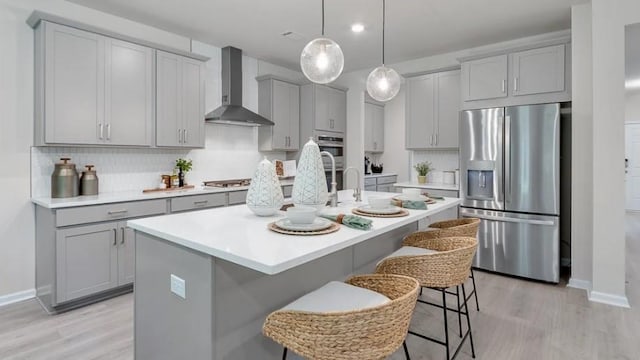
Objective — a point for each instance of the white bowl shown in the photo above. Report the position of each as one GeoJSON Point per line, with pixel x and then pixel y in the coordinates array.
{"type": "Point", "coordinates": [301, 214]}
{"type": "Point", "coordinates": [379, 202]}
{"type": "Point", "coordinates": [412, 193]}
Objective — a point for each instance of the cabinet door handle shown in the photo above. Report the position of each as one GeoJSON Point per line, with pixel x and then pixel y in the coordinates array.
{"type": "Point", "coordinates": [117, 212]}
{"type": "Point", "coordinates": [108, 131]}
{"type": "Point", "coordinates": [179, 137]}
{"type": "Point", "coordinates": [431, 140]}
{"type": "Point", "coordinates": [101, 130]}
{"type": "Point", "coordinates": [122, 240]}
{"type": "Point", "coordinates": [200, 203]}
{"type": "Point", "coordinates": [436, 136]}
{"type": "Point", "coordinates": [504, 85]}
{"type": "Point", "coordinates": [186, 136]}
{"type": "Point", "coordinates": [115, 237]}
{"type": "Point", "coordinates": [515, 84]}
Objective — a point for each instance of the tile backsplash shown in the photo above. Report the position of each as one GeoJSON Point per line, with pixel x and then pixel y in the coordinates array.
{"type": "Point", "coordinates": [231, 152]}
{"type": "Point", "coordinates": [441, 160]}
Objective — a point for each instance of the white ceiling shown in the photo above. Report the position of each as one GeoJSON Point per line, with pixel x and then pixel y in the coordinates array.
{"type": "Point", "coordinates": [415, 28]}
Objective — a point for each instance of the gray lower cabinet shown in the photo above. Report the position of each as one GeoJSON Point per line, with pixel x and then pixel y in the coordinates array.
{"type": "Point", "coordinates": [380, 183]}
{"type": "Point", "coordinates": [86, 260]}
{"type": "Point", "coordinates": [93, 258]}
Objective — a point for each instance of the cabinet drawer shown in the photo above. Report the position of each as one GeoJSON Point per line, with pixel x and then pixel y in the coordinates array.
{"type": "Point", "coordinates": [370, 187]}
{"type": "Point", "coordinates": [107, 212]}
{"type": "Point", "coordinates": [445, 193]}
{"type": "Point", "coordinates": [369, 181]}
{"type": "Point", "coordinates": [287, 190]}
{"type": "Point", "coordinates": [384, 188]}
{"type": "Point", "coordinates": [383, 180]}
{"type": "Point", "coordinates": [186, 203]}
{"type": "Point", "coordinates": [237, 197]}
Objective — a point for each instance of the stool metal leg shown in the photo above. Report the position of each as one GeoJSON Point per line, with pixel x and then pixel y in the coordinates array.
{"type": "Point", "coordinates": [284, 354]}
{"type": "Point", "coordinates": [406, 351]}
{"type": "Point", "coordinates": [459, 315]}
{"type": "Point", "coordinates": [475, 290]}
{"type": "Point", "coordinates": [466, 310]}
{"type": "Point", "coordinates": [446, 327]}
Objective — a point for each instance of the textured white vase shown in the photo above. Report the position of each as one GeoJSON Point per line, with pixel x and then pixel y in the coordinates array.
{"type": "Point", "coordinates": [310, 184]}
{"type": "Point", "coordinates": [265, 197]}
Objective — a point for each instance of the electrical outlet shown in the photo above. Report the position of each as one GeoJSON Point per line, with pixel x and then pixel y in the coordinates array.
{"type": "Point", "coordinates": [178, 286]}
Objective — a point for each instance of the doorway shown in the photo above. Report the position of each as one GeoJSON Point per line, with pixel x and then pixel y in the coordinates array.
{"type": "Point", "coordinates": [632, 166]}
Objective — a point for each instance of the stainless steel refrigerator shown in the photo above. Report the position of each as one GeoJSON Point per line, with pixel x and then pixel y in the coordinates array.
{"type": "Point", "coordinates": [510, 177]}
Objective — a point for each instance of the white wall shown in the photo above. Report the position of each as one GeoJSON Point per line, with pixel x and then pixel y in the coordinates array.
{"type": "Point", "coordinates": [582, 148]}
{"type": "Point", "coordinates": [230, 152]}
{"type": "Point", "coordinates": [16, 125]}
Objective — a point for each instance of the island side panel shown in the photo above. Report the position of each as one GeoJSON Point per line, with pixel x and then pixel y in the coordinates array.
{"type": "Point", "coordinates": [367, 254]}
{"type": "Point", "coordinates": [245, 297]}
{"type": "Point", "coordinates": [166, 325]}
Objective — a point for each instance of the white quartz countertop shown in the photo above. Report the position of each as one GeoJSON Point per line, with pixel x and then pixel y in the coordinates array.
{"type": "Point", "coordinates": [138, 195]}
{"type": "Point", "coordinates": [379, 175]}
{"type": "Point", "coordinates": [434, 186]}
{"type": "Point", "coordinates": [237, 235]}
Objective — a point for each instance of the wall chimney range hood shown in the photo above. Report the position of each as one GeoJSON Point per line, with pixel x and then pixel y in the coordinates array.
{"type": "Point", "coordinates": [232, 112]}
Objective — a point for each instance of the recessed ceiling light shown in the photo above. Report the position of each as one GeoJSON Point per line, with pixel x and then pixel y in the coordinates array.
{"type": "Point", "coordinates": [357, 28]}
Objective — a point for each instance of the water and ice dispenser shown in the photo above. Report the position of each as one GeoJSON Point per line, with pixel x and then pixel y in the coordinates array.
{"type": "Point", "coordinates": [480, 175]}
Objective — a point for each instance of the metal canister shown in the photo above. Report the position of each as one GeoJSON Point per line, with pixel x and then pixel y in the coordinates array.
{"type": "Point", "coordinates": [89, 181]}
{"type": "Point", "coordinates": [64, 180]}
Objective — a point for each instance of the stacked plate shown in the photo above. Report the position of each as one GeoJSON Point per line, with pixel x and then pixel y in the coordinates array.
{"type": "Point", "coordinates": [388, 210]}
{"type": "Point", "coordinates": [403, 197]}
{"type": "Point", "coordinates": [318, 224]}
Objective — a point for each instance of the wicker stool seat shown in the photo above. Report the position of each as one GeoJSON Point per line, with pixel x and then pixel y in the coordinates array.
{"type": "Point", "coordinates": [366, 317]}
{"type": "Point", "coordinates": [444, 263]}
{"type": "Point", "coordinates": [448, 228]}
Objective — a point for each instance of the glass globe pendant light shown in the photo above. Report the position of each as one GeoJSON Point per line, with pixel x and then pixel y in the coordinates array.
{"type": "Point", "coordinates": [383, 83]}
{"type": "Point", "coordinates": [322, 60]}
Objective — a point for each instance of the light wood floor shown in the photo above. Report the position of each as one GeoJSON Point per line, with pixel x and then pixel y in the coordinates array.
{"type": "Point", "coordinates": [518, 320]}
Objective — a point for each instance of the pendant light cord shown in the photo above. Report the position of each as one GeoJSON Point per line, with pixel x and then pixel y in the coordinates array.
{"type": "Point", "coordinates": [322, 18]}
{"type": "Point", "coordinates": [384, 10]}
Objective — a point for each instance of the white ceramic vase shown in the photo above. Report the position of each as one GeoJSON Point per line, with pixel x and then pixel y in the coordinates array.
{"type": "Point", "coordinates": [265, 197]}
{"type": "Point", "coordinates": [310, 184]}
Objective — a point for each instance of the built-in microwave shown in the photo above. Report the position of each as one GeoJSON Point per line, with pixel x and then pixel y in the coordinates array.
{"type": "Point", "coordinates": [333, 144]}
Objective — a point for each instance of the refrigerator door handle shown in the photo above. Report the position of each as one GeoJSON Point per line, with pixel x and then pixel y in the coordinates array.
{"type": "Point", "coordinates": [512, 220]}
{"type": "Point", "coordinates": [507, 158]}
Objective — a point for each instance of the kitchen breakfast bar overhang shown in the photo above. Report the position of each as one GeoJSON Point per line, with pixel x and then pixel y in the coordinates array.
{"type": "Point", "coordinates": [236, 272]}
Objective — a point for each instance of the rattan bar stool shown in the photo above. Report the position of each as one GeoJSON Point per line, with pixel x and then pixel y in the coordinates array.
{"type": "Point", "coordinates": [366, 317]}
{"type": "Point", "coordinates": [438, 264]}
{"type": "Point", "coordinates": [448, 228]}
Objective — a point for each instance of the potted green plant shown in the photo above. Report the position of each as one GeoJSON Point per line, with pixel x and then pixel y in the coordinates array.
{"type": "Point", "coordinates": [423, 169]}
{"type": "Point", "coordinates": [184, 166]}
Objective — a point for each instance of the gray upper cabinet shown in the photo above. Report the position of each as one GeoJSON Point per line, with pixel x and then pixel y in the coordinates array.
{"type": "Point", "coordinates": [180, 101]}
{"type": "Point", "coordinates": [330, 108]}
{"type": "Point", "coordinates": [534, 74]}
{"type": "Point", "coordinates": [373, 128]}
{"type": "Point", "coordinates": [432, 110]}
{"type": "Point", "coordinates": [484, 78]}
{"type": "Point", "coordinates": [538, 71]}
{"type": "Point", "coordinates": [448, 106]}
{"type": "Point", "coordinates": [92, 89]}
{"type": "Point", "coordinates": [279, 101]}
{"type": "Point", "coordinates": [128, 94]}
{"type": "Point", "coordinates": [70, 65]}
{"type": "Point", "coordinates": [420, 115]}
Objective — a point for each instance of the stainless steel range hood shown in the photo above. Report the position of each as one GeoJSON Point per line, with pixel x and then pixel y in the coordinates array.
{"type": "Point", "coordinates": [232, 112]}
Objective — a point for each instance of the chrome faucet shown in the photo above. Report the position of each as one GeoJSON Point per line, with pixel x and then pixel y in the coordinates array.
{"type": "Point", "coordinates": [333, 195]}
{"type": "Point", "coordinates": [357, 192]}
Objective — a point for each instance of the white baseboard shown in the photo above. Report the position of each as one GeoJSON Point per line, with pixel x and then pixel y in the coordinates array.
{"type": "Point", "coordinates": [609, 299]}
{"type": "Point", "coordinates": [579, 284]}
{"type": "Point", "coordinates": [17, 296]}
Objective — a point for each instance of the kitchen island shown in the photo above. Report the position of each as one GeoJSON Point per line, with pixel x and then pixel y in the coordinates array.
{"type": "Point", "coordinates": [206, 280]}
